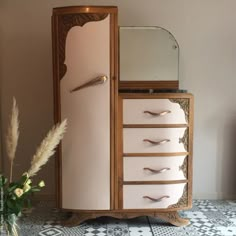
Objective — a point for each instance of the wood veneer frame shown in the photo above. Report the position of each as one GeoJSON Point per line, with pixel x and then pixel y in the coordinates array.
{"type": "Point", "coordinates": [60, 23]}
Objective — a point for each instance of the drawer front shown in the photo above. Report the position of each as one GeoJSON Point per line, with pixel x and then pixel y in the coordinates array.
{"type": "Point", "coordinates": [154, 140]}
{"type": "Point", "coordinates": [155, 168]}
{"type": "Point", "coordinates": [153, 111]}
{"type": "Point", "coordinates": [152, 196]}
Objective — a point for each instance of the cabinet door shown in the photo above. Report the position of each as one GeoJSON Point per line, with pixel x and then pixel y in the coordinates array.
{"type": "Point", "coordinates": [84, 165]}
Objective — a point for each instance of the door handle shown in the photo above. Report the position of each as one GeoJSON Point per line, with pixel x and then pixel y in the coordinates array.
{"type": "Point", "coordinates": [157, 114]}
{"type": "Point", "coordinates": [157, 171]}
{"type": "Point", "coordinates": [156, 199]}
{"type": "Point", "coordinates": [157, 143]}
{"type": "Point", "coordinates": [96, 81]}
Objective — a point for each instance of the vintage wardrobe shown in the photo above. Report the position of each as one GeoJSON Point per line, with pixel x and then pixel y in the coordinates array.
{"type": "Point", "coordinates": [128, 148]}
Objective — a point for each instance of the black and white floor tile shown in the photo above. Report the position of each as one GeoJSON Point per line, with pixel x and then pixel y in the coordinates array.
{"type": "Point", "coordinates": [208, 218]}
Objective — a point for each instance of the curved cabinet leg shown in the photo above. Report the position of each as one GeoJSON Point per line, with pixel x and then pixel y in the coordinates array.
{"type": "Point", "coordinates": [76, 219]}
{"type": "Point", "coordinates": [173, 218]}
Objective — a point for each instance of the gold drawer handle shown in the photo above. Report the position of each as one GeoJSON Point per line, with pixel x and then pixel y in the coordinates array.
{"type": "Point", "coordinates": [156, 199]}
{"type": "Point", "coordinates": [157, 171]}
{"type": "Point", "coordinates": [98, 80]}
{"type": "Point", "coordinates": [157, 143]}
{"type": "Point", "coordinates": [157, 114]}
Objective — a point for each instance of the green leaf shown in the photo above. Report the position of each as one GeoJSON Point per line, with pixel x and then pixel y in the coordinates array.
{"type": "Point", "coordinates": [10, 204]}
{"type": "Point", "coordinates": [12, 187]}
{"type": "Point", "coordinates": [3, 180]}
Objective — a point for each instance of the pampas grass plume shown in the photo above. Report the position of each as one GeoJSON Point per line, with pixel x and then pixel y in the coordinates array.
{"type": "Point", "coordinates": [47, 147]}
{"type": "Point", "coordinates": [12, 136]}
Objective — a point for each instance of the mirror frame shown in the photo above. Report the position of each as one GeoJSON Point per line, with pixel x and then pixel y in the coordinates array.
{"type": "Point", "coordinates": [137, 84]}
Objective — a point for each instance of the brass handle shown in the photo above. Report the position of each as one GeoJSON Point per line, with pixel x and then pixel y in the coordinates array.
{"type": "Point", "coordinates": [157, 143]}
{"type": "Point", "coordinates": [156, 199]}
{"type": "Point", "coordinates": [157, 171]}
{"type": "Point", "coordinates": [157, 114]}
{"type": "Point", "coordinates": [98, 80]}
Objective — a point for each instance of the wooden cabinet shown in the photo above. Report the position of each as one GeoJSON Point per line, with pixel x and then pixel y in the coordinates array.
{"type": "Point", "coordinates": [84, 50]}
{"type": "Point", "coordinates": [124, 154]}
{"type": "Point", "coordinates": [155, 151]}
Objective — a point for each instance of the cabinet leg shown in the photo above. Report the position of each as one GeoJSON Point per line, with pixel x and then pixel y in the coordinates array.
{"type": "Point", "coordinates": [173, 218]}
{"type": "Point", "coordinates": [76, 219]}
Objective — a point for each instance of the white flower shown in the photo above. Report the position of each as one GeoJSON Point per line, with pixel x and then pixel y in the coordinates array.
{"type": "Point", "coordinates": [18, 192]}
{"type": "Point", "coordinates": [41, 184]}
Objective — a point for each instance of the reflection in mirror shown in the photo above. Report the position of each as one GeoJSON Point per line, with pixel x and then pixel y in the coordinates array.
{"type": "Point", "coordinates": [148, 54]}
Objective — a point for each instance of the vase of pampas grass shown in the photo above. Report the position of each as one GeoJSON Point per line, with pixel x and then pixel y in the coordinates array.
{"type": "Point", "coordinates": [15, 195]}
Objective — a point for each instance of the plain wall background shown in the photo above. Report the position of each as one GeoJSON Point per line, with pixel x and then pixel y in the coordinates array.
{"type": "Point", "coordinates": [206, 33]}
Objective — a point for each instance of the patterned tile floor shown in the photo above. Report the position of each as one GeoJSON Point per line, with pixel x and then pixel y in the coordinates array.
{"type": "Point", "coordinates": [208, 218]}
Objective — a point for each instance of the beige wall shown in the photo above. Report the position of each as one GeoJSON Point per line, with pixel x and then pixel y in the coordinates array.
{"type": "Point", "coordinates": [206, 32]}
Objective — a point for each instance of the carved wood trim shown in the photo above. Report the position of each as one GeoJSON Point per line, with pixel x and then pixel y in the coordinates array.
{"type": "Point", "coordinates": [184, 167]}
{"type": "Point", "coordinates": [183, 201]}
{"type": "Point", "coordinates": [184, 104]}
{"type": "Point", "coordinates": [65, 23]}
{"type": "Point", "coordinates": [173, 218]}
{"type": "Point", "coordinates": [78, 218]}
{"type": "Point", "coordinates": [185, 139]}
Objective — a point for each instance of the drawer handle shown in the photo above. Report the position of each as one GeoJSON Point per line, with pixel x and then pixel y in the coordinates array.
{"type": "Point", "coordinates": [156, 199]}
{"type": "Point", "coordinates": [157, 113]}
{"type": "Point", "coordinates": [157, 171]}
{"type": "Point", "coordinates": [98, 80]}
{"type": "Point", "coordinates": [157, 143]}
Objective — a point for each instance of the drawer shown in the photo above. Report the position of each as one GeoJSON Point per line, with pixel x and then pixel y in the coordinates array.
{"type": "Point", "coordinates": [155, 168]}
{"type": "Point", "coordinates": [151, 196]}
{"type": "Point", "coordinates": [154, 140]}
{"type": "Point", "coordinates": [153, 111]}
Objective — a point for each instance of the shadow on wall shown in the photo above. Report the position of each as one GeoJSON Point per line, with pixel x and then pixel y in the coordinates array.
{"type": "Point", "coordinates": [226, 166]}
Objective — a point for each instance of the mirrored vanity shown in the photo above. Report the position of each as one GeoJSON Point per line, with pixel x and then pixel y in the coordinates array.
{"type": "Point", "coordinates": [128, 148]}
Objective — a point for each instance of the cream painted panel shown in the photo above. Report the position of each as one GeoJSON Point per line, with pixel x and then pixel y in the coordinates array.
{"type": "Point", "coordinates": [134, 112]}
{"type": "Point", "coordinates": [133, 195]}
{"type": "Point", "coordinates": [133, 168]}
{"type": "Point", "coordinates": [86, 145]}
{"type": "Point", "coordinates": [133, 140]}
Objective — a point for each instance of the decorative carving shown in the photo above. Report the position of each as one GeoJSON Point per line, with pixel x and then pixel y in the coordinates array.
{"type": "Point", "coordinates": [184, 139]}
{"type": "Point", "coordinates": [183, 201]}
{"type": "Point", "coordinates": [184, 104]}
{"type": "Point", "coordinates": [174, 218]}
{"type": "Point", "coordinates": [184, 167]}
{"type": "Point", "coordinates": [77, 218]}
{"type": "Point", "coordinates": [65, 23]}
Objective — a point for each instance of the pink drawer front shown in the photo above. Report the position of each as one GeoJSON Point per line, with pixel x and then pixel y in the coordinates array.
{"type": "Point", "coordinates": [153, 140]}
{"type": "Point", "coordinates": [152, 196]}
{"type": "Point", "coordinates": [152, 111]}
{"type": "Point", "coordinates": [155, 168]}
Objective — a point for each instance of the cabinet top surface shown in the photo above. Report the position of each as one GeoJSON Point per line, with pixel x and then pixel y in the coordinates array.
{"type": "Point", "coordinates": [84, 9]}
{"type": "Point", "coordinates": [155, 95]}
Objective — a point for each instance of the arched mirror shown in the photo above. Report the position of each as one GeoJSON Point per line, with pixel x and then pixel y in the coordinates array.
{"type": "Point", "coordinates": [148, 56]}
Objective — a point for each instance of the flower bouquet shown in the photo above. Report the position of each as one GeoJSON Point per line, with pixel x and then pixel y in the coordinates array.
{"type": "Point", "coordinates": [15, 195]}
